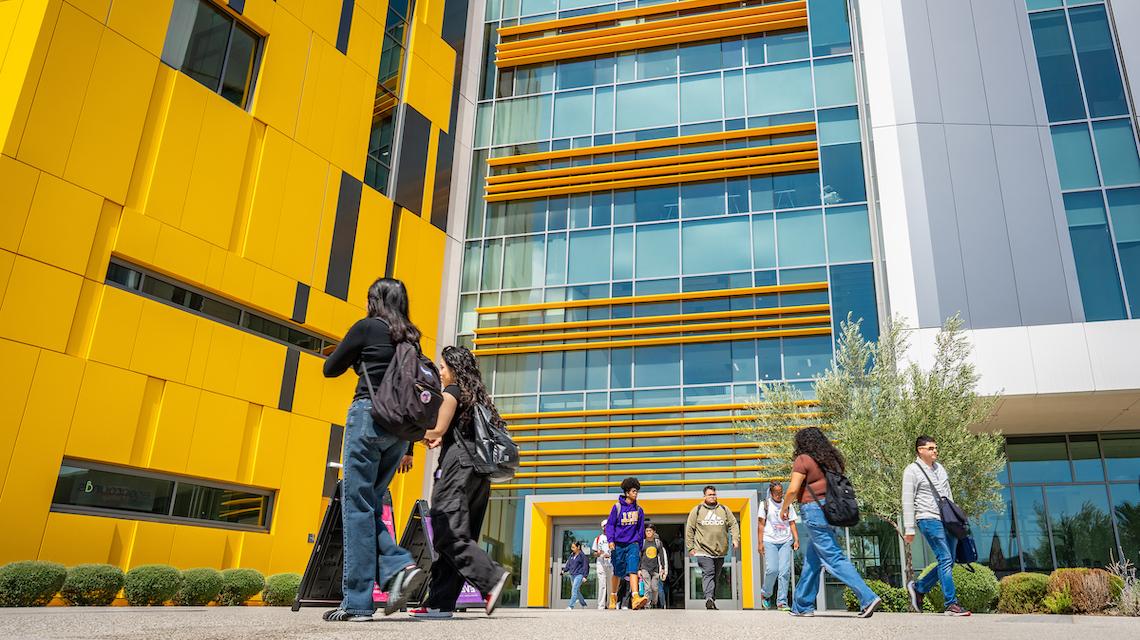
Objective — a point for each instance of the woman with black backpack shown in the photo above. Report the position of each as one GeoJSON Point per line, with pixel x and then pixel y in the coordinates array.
{"type": "Point", "coordinates": [459, 497]}
{"type": "Point", "coordinates": [814, 458]}
{"type": "Point", "coordinates": [372, 455]}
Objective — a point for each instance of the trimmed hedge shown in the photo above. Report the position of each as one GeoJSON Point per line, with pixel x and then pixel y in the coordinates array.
{"type": "Point", "coordinates": [895, 599]}
{"type": "Point", "coordinates": [239, 585]}
{"type": "Point", "coordinates": [1091, 590]}
{"type": "Point", "coordinates": [281, 589]}
{"type": "Point", "coordinates": [199, 587]}
{"type": "Point", "coordinates": [1023, 593]}
{"type": "Point", "coordinates": [30, 583]}
{"type": "Point", "coordinates": [92, 585]}
{"type": "Point", "coordinates": [977, 591]}
{"type": "Point", "coordinates": [152, 584]}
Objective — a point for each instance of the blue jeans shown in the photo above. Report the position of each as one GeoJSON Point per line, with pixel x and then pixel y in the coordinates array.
{"type": "Point", "coordinates": [777, 563]}
{"type": "Point", "coordinates": [939, 541]}
{"type": "Point", "coordinates": [822, 550]}
{"type": "Point", "coordinates": [371, 456]}
{"type": "Point", "coordinates": [576, 591]}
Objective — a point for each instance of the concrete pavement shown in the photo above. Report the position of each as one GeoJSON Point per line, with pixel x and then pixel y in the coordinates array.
{"type": "Point", "coordinates": [265, 623]}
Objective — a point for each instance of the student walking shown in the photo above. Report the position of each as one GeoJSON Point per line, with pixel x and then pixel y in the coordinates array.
{"type": "Point", "coordinates": [459, 497]}
{"type": "Point", "coordinates": [813, 454]}
{"type": "Point", "coordinates": [371, 458]}
{"type": "Point", "coordinates": [653, 568]}
{"type": "Point", "coordinates": [923, 483]}
{"type": "Point", "coordinates": [780, 540]}
{"type": "Point", "coordinates": [708, 531]}
{"type": "Point", "coordinates": [602, 565]}
{"type": "Point", "coordinates": [625, 529]}
{"type": "Point", "coordinates": [579, 569]}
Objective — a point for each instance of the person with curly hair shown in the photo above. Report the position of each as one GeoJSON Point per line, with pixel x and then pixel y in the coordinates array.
{"type": "Point", "coordinates": [459, 497]}
{"type": "Point", "coordinates": [813, 454]}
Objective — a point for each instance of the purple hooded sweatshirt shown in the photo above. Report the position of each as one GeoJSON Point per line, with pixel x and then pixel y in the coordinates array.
{"type": "Point", "coordinates": [626, 523]}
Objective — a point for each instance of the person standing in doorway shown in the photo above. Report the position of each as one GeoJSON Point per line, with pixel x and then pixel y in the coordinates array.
{"type": "Point", "coordinates": [579, 569]}
{"type": "Point", "coordinates": [780, 540]}
{"type": "Point", "coordinates": [923, 482]}
{"type": "Point", "coordinates": [812, 455]}
{"type": "Point", "coordinates": [625, 529]}
{"type": "Point", "coordinates": [372, 456]}
{"type": "Point", "coordinates": [708, 531]}
{"type": "Point", "coordinates": [602, 565]}
{"type": "Point", "coordinates": [460, 495]}
{"type": "Point", "coordinates": [653, 568]}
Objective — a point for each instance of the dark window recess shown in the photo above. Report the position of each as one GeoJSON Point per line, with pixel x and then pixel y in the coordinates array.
{"type": "Point", "coordinates": [104, 490]}
{"type": "Point", "coordinates": [378, 164]}
{"type": "Point", "coordinates": [209, 45]}
{"type": "Point", "coordinates": [164, 290]}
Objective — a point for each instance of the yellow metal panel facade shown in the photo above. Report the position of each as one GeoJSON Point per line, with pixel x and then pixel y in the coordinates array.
{"type": "Point", "coordinates": [113, 156]}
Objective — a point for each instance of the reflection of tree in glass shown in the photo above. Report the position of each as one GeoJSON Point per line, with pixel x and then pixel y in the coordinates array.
{"type": "Point", "coordinates": [1082, 539]}
{"type": "Point", "coordinates": [1128, 524]}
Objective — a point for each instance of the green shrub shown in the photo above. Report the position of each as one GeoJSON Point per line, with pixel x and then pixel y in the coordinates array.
{"type": "Point", "coordinates": [30, 583]}
{"type": "Point", "coordinates": [1089, 589]}
{"type": "Point", "coordinates": [281, 589]}
{"type": "Point", "coordinates": [199, 587]}
{"type": "Point", "coordinates": [92, 585]}
{"type": "Point", "coordinates": [152, 584]}
{"type": "Point", "coordinates": [239, 585]}
{"type": "Point", "coordinates": [977, 591]}
{"type": "Point", "coordinates": [1023, 593]}
{"type": "Point", "coordinates": [1059, 602]}
{"type": "Point", "coordinates": [895, 599]}
{"type": "Point", "coordinates": [1115, 587]}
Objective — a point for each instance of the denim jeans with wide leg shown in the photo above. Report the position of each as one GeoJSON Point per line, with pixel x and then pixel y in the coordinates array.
{"type": "Point", "coordinates": [935, 533]}
{"type": "Point", "coordinates": [576, 591]}
{"type": "Point", "coordinates": [777, 564]}
{"type": "Point", "coordinates": [823, 551]}
{"type": "Point", "coordinates": [371, 456]}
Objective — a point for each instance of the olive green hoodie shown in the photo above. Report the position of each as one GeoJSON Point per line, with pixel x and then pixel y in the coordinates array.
{"type": "Point", "coordinates": [708, 528]}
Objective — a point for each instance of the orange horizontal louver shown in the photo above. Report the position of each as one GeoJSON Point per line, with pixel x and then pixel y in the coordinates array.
{"type": "Point", "coordinates": [641, 35]}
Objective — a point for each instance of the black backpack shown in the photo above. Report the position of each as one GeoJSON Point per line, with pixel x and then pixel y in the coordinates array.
{"type": "Point", "coordinates": [492, 450]}
{"type": "Point", "coordinates": [841, 509]}
{"type": "Point", "coordinates": [407, 400]}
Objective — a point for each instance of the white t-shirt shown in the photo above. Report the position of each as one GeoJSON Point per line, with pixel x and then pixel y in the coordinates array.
{"type": "Point", "coordinates": [601, 544]}
{"type": "Point", "coordinates": [776, 529]}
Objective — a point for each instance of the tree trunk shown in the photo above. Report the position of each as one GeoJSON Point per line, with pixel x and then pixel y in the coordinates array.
{"type": "Point", "coordinates": [908, 561]}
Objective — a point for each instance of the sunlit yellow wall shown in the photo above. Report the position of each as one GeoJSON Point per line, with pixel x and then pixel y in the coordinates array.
{"type": "Point", "coordinates": [108, 152]}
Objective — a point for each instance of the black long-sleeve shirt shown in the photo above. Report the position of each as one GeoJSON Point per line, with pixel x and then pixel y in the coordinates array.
{"type": "Point", "coordinates": [368, 349]}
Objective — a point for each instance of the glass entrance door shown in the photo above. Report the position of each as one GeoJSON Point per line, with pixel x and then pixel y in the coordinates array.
{"type": "Point", "coordinates": [564, 534]}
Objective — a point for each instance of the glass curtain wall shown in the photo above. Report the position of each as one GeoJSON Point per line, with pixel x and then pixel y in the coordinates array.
{"type": "Point", "coordinates": [730, 233]}
{"type": "Point", "coordinates": [1094, 140]}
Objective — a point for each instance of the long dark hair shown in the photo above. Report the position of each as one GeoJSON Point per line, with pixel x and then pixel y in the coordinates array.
{"type": "Point", "coordinates": [465, 368]}
{"type": "Point", "coordinates": [388, 300]}
{"type": "Point", "coordinates": [813, 442]}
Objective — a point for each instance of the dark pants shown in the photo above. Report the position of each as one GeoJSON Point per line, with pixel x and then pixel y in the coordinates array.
{"type": "Point", "coordinates": [458, 504]}
{"type": "Point", "coordinates": [371, 456]}
{"type": "Point", "coordinates": [710, 571]}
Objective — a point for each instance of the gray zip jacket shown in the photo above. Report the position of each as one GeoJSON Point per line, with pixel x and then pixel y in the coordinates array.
{"type": "Point", "coordinates": [918, 501]}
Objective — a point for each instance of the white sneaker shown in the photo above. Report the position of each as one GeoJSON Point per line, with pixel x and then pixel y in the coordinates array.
{"type": "Point", "coordinates": [496, 591]}
{"type": "Point", "coordinates": [424, 613]}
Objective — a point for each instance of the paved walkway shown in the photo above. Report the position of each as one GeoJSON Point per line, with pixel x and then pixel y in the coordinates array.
{"type": "Point", "coordinates": [264, 623]}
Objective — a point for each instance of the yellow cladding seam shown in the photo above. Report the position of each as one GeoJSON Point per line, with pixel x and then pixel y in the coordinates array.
{"type": "Point", "coordinates": [675, 165]}
{"type": "Point", "coordinates": [610, 16]}
{"type": "Point", "coordinates": [638, 410]}
{"type": "Point", "coordinates": [653, 162]}
{"type": "Point", "coordinates": [681, 328]}
{"type": "Point", "coordinates": [786, 167]}
{"type": "Point", "coordinates": [651, 34]}
{"type": "Point", "coordinates": [637, 472]}
{"type": "Point", "coordinates": [599, 461]}
{"type": "Point", "coordinates": [621, 147]}
{"type": "Point", "coordinates": [657, 297]}
{"type": "Point", "coordinates": [681, 317]}
{"type": "Point", "coordinates": [639, 449]}
{"type": "Point", "coordinates": [642, 422]}
{"type": "Point", "coordinates": [628, 434]}
{"type": "Point", "coordinates": [617, 344]}
{"type": "Point", "coordinates": [644, 483]}
{"type": "Point", "coordinates": [637, 31]}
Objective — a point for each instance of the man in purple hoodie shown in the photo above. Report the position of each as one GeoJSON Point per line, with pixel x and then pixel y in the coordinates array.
{"type": "Point", "coordinates": [625, 529]}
